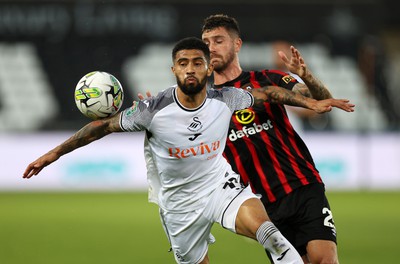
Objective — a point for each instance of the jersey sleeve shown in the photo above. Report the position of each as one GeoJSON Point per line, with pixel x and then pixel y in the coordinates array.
{"type": "Point", "coordinates": [139, 117]}
{"type": "Point", "coordinates": [237, 99]}
{"type": "Point", "coordinates": [280, 78]}
{"type": "Point", "coordinates": [136, 118]}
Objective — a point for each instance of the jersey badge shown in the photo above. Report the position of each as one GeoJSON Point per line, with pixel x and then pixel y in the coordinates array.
{"type": "Point", "coordinates": [132, 110]}
{"type": "Point", "coordinates": [195, 125]}
{"type": "Point", "coordinates": [288, 78]}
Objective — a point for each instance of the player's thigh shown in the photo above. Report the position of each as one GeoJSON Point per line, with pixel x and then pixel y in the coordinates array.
{"type": "Point", "coordinates": [235, 207]}
{"type": "Point", "coordinates": [224, 203]}
{"type": "Point", "coordinates": [315, 218]}
{"type": "Point", "coordinates": [188, 234]}
{"type": "Point", "coordinates": [322, 251]}
{"type": "Point", "coordinates": [315, 229]}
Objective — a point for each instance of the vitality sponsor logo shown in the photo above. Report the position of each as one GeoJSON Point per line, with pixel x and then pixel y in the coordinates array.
{"type": "Point", "coordinates": [247, 131]}
{"type": "Point", "coordinates": [202, 149]}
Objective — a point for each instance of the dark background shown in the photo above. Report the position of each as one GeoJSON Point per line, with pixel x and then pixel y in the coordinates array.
{"type": "Point", "coordinates": [75, 37]}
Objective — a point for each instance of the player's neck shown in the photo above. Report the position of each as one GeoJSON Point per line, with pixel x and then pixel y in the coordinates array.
{"type": "Point", "coordinates": [230, 73]}
{"type": "Point", "coordinates": [191, 101]}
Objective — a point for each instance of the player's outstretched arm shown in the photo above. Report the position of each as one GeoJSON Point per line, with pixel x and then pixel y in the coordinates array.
{"type": "Point", "coordinates": [276, 94]}
{"type": "Point", "coordinates": [312, 86]}
{"type": "Point", "coordinates": [89, 133]}
{"type": "Point", "coordinates": [323, 106]}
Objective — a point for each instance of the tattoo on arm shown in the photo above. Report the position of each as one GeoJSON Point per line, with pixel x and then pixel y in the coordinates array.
{"type": "Point", "coordinates": [275, 94]}
{"type": "Point", "coordinates": [89, 133]}
{"type": "Point", "coordinates": [302, 89]}
{"type": "Point", "coordinates": [316, 89]}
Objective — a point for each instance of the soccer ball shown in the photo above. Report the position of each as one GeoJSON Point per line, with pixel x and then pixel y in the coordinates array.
{"type": "Point", "coordinates": [98, 95]}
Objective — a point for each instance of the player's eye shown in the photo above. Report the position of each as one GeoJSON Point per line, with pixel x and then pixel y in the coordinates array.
{"type": "Point", "coordinates": [199, 62]}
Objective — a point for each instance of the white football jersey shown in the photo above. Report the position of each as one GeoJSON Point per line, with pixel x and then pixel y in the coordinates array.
{"type": "Point", "coordinates": [186, 145]}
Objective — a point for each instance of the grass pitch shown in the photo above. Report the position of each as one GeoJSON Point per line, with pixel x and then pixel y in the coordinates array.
{"type": "Point", "coordinates": [119, 228]}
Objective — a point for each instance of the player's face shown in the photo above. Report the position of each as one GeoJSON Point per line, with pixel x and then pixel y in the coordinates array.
{"type": "Point", "coordinates": [223, 47]}
{"type": "Point", "coordinates": [191, 71]}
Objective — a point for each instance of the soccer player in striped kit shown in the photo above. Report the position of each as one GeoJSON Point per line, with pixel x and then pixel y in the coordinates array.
{"type": "Point", "coordinates": [267, 152]}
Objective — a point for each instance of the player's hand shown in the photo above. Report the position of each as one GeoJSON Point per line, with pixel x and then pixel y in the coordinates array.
{"type": "Point", "coordinates": [296, 63]}
{"type": "Point", "coordinates": [35, 167]}
{"type": "Point", "coordinates": [323, 106]}
{"type": "Point", "coordinates": [141, 96]}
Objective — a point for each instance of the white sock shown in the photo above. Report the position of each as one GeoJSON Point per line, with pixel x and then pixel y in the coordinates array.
{"type": "Point", "coordinates": [280, 248]}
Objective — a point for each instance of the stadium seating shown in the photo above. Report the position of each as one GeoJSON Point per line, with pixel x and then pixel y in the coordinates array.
{"type": "Point", "coordinates": [149, 71]}
{"type": "Point", "coordinates": [26, 96]}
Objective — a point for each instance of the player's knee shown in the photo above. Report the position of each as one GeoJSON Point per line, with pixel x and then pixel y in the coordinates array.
{"type": "Point", "coordinates": [205, 260]}
{"type": "Point", "coordinates": [323, 259]}
{"type": "Point", "coordinates": [322, 252]}
{"type": "Point", "coordinates": [329, 261]}
{"type": "Point", "coordinates": [250, 217]}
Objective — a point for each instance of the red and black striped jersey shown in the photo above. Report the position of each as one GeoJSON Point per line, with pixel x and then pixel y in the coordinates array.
{"type": "Point", "coordinates": [262, 145]}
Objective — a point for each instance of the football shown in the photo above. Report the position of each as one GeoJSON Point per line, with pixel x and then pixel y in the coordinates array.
{"type": "Point", "coordinates": [98, 95]}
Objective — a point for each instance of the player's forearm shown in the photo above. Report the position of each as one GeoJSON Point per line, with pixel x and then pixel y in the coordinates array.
{"type": "Point", "coordinates": [280, 95]}
{"type": "Point", "coordinates": [316, 88]}
{"type": "Point", "coordinates": [89, 133]}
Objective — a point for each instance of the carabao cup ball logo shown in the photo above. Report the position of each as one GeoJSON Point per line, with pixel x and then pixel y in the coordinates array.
{"type": "Point", "coordinates": [87, 93]}
{"type": "Point", "coordinates": [245, 116]}
{"type": "Point", "coordinates": [117, 91]}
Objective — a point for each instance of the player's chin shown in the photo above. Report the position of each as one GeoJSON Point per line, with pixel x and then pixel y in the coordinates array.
{"type": "Point", "coordinates": [215, 61]}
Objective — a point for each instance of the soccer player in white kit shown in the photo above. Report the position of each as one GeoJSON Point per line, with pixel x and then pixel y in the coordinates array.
{"type": "Point", "coordinates": [195, 187]}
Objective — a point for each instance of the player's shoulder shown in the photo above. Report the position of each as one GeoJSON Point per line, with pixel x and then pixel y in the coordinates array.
{"type": "Point", "coordinates": [254, 78]}
{"type": "Point", "coordinates": [162, 99]}
{"type": "Point", "coordinates": [227, 93]}
{"type": "Point", "coordinates": [265, 73]}
{"type": "Point", "coordinates": [220, 92]}
{"type": "Point", "coordinates": [166, 93]}
{"type": "Point", "coordinates": [272, 77]}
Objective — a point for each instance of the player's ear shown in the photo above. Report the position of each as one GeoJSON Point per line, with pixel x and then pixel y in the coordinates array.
{"type": "Point", "coordinates": [238, 44]}
{"type": "Point", "coordinates": [210, 69]}
{"type": "Point", "coordinates": [173, 69]}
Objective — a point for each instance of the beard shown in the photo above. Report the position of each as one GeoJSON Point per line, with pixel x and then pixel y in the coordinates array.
{"type": "Point", "coordinates": [192, 89]}
{"type": "Point", "coordinates": [223, 64]}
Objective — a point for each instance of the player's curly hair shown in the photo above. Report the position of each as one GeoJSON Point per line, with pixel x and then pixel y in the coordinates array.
{"type": "Point", "coordinates": [191, 43]}
{"type": "Point", "coordinates": [221, 20]}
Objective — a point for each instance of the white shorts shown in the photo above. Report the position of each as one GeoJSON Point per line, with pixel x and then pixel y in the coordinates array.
{"type": "Point", "coordinates": [190, 233]}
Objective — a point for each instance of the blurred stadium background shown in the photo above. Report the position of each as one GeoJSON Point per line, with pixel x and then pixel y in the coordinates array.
{"type": "Point", "coordinates": [47, 46]}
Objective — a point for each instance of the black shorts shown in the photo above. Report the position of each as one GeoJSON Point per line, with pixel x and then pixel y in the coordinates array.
{"type": "Point", "coordinates": [304, 215]}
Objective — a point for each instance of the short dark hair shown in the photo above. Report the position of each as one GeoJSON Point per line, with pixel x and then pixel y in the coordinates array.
{"type": "Point", "coordinates": [191, 43]}
{"type": "Point", "coordinates": [221, 20]}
